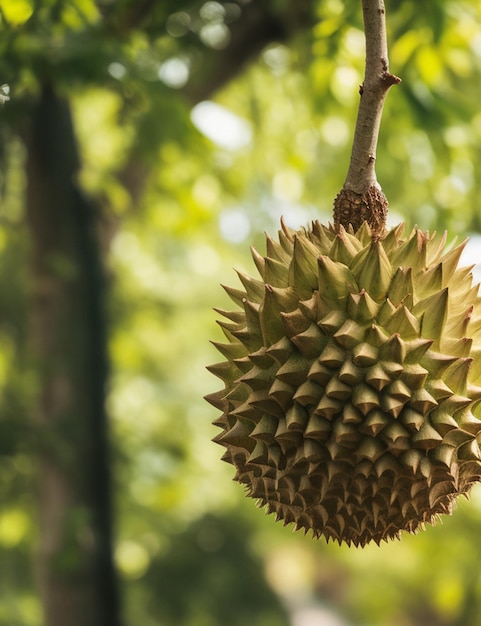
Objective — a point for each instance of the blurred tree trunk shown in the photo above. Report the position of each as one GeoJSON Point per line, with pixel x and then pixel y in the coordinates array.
{"type": "Point", "coordinates": [68, 338]}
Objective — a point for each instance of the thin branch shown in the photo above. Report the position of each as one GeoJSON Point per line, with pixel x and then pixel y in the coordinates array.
{"type": "Point", "coordinates": [361, 197]}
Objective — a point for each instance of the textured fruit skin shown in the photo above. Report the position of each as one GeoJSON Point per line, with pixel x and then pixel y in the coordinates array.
{"type": "Point", "coordinates": [351, 405]}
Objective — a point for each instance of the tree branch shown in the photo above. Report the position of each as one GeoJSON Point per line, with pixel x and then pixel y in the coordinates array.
{"type": "Point", "coordinates": [361, 198]}
{"type": "Point", "coordinates": [258, 25]}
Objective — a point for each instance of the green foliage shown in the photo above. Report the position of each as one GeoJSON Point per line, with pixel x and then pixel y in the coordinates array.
{"type": "Point", "coordinates": [176, 213]}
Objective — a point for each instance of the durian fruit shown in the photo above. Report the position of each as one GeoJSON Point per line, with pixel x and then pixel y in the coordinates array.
{"type": "Point", "coordinates": [351, 405]}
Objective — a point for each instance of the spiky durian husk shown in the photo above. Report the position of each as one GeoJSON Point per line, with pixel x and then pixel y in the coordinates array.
{"type": "Point", "coordinates": [350, 405]}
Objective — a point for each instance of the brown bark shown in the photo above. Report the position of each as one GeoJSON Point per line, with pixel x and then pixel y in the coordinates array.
{"type": "Point", "coordinates": [67, 333]}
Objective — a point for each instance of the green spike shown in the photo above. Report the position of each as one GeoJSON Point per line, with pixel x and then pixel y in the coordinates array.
{"type": "Point", "coordinates": [457, 347]}
{"type": "Point", "coordinates": [265, 429]}
{"type": "Point", "coordinates": [412, 419]}
{"type": "Point", "coordinates": [349, 335]}
{"type": "Point", "coordinates": [217, 400]}
{"type": "Point", "coordinates": [318, 428]}
{"type": "Point", "coordinates": [319, 373]}
{"type": "Point", "coordinates": [286, 237]}
{"type": "Point", "coordinates": [469, 451]}
{"type": "Point", "coordinates": [399, 390]}
{"type": "Point", "coordinates": [457, 325]}
{"type": "Point", "coordinates": [238, 435]}
{"type": "Point", "coordinates": [377, 377]}
{"type": "Point", "coordinates": [230, 350]}
{"type": "Point", "coordinates": [416, 349]}
{"type": "Point", "coordinates": [258, 378]}
{"type": "Point", "coordinates": [332, 321]}
{"type": "Point", "coordinates": [412, 253]}
{"type": "Point", "coordinates": [371, 449]}
{"type": "Point", "coordinates": [344, 248]}
{"type": "Point", "coordinates": [394, 349]}
{"type": "Point", "coordinates": [386, 311]}
{"type": "Point", "coordinates": [226, 371]}
{"type": "Point", "coordinates": [372, 270]}
{"type": "Point", "coordinates": [236, 295]}
{"type": "Point", "coordinates": [294, 323]}
{"type": "Point", "coordinates": [276, 251]}
{"type": "Point", "coordinates": [328, 407]}
{"type": "Point", "coordinates": [313, 308]}
{"type": "Point", "coordinates": [443, 454]}
{"type": "Point", "coordinates": [377, 336]}
{"type": "Point", "coordinates": [475, 371]}
{"type": "Point", "coordinates": [438, 389]}
{"type": "Point", "coordinates": [251, 310]}
{"type": "Point", "coordinates": [321, 234]}
{"type": "Point", "coordinates": [259, 399]}
{"type": "Point", "coordinates": [467, 421]}
{"type": "Point", "coordinates": [401, 287]}
{"type": "Point", "coordinates": [374, 423]}
{"type": "Point", "coordinates": [258, 456]}
{"type": "Point", "coordinates": [436, 363]}
{"type": "Point", "coordinates": [294, 370]}
{"type": "Point", "coordinates": [365, 399]}
{"type": "Point", "coordinates": [428, 281]}
{"type": "Point", "coordinates": [238, 317]}
{"type": "Point", "coordinates": [457, 437]}
{"type": "Point", "coordinates": [422, 401]}
{"type": "Point", "coordinates": [403, 321]}
{"type": "Point", "coordinates": [463, 277]}
{"type": "Point", "coordinates": [271, 324]}
{"type": "Point", "coordinates": [473, 391]}
{"type": "Point", "coordinates": [261, 358]}
{"type": "Point", "coordinates": [427, 437]}
{"type": "Point", "coordinates": [345, 434]}
{"type": "Point", "coordinates": [333, 356]}
{"type": "Point", "coordinates": [392, 238]}
{"type": "Point", "coordinates": [336, 281]}
{"type": "Point", "coordinates": [254, 288]}
{"type": "Point", "coordinates": [303, 269]}
{"type": "Point", "coordinates": [282, 393]}
{"type": "Point", "coordinates": [393, 433]}
{"type": "Point", "coordinates": [433, 310]}
{"type": "Point", "coordinates": [392, 369]}
{"type": "Point", "coordinates": [414, 375]}
{"type": "Point", "coordinates": [364, 234]}
{"type": "Point", "coordinates": [337, 390]}
{"type": "Point", "coordinates": [411, 459]}
{"type": "Point", "coordinates": [361, 307]}
{"type": "Point", "coordinates": [436, 248]}
{"type": "Point", "coordinates": [296, 417]}
{"type": "Point", "coordinates": [310, 342]}
{"type": "Point", "coordinates": [309, 393]}
{"type": "Point", "coordinates": [364, 355]}
{"type": "Point", "coordinates": [456, 376]}
{"type": "Point", "coordinates": [350, 374]}
{"type": "Point", "coordinates": [281, 350]}
{"type": "Point", "coordinates": [247, 411]}
{"type": "Point", "coordinates": [312, 451]}
{"type": "Point", "coordinates": [442, 421]}
{"type": "Point", "coordinates": [259, 261]}
{"type": "Point", "coordinates": [391, 405]}
{"type": "Point", "coordinates": [276, 273]}
{"type": "Point", "coordinates": [450, 261]}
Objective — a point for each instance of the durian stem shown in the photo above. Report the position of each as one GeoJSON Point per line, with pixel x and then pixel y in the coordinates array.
{"type": "Point", "coordinates": [361, 199]}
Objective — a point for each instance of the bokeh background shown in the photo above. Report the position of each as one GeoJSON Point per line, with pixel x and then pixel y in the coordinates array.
{"type": "Point", "coordinates": [198, 125]}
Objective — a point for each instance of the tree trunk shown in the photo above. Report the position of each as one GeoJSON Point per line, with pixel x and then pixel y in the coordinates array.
{"type": "Point", "coordinates": [68, 339]}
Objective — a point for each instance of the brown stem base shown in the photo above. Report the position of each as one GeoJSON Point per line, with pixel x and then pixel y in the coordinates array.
{"type": "Point", "coordinates": [351, 208]}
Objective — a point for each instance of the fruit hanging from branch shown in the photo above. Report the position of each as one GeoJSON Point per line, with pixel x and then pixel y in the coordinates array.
{"type": "Point", "coordinates": [352, 375]}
